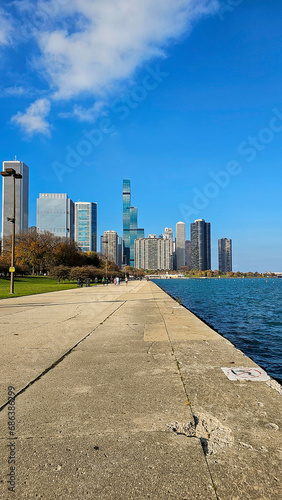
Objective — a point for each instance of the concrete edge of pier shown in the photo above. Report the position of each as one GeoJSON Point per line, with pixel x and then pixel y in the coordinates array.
{"type": "Point", "coordinates": [120, 393]}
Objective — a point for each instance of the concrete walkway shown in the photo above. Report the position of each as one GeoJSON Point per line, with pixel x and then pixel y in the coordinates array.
{"type": "Point", "coordinates": [121, 396]}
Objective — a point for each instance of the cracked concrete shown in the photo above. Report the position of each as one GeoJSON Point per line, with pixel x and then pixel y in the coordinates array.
{"type": "Point", "coordinates": [95, 423]}
{"type": "Point", "coordinates": [212, 434]}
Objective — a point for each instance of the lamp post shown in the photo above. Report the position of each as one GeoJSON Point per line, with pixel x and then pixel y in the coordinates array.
{"type": "Point", "coordinates": [10, 172]}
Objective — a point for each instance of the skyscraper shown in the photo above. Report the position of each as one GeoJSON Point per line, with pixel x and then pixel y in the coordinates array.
{"type": "Point", "coordinates": [200, 245]}
{"type": "Point", "coordinates": [153, 253]}
{"type": "Point", "coordinates": [110, 245]}
{"type": "Point", "coordinates": [188, 253]}
{"type": "Point", "coordinates": [85, 225]}
{"type": "Point", "coordinates": [168, 233]}
{"type": "Point", "coordinates": [225, 255]}
{"type": "Point", "coordinates": [130, 226]}
{"type": "Point", "coordinates": [119, 251]}
{"type": "Point", "coordinates": [55, 214]}
{"type": "Point", "coordinates": [180, 244]}
{"type": "Point", "coordinates": [21, 198]}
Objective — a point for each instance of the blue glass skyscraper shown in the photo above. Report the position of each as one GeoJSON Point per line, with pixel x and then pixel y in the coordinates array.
{"type": "Point", "coordinates": [126, 199]}
{"type": "Point", "coordinates": [86, 226]}
{"type": "Point", "coordinates": [55, 213]}
{"type": "Point", "coordinates": [130, 225]}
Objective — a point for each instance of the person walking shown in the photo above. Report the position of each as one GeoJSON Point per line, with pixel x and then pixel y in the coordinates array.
{"type": "Point", "coordinates": [103, 281]}
{"type": "Point", "coordinates": [126, 280]}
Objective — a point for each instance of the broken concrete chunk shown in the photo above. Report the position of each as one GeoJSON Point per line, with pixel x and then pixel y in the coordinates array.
{"type": "Point", "coordinates": [211, 432]}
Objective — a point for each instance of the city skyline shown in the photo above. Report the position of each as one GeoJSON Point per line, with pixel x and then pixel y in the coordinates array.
{"type": "Point", "coordinates": [192, 118]}
{"type": "Point", "coordinates": [59, 215]}
{"type": "Point", "coordinates": [78, 221]}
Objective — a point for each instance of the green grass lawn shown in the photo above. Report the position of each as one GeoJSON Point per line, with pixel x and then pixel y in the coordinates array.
{"type": "Point", "coordinates": [28, 285]}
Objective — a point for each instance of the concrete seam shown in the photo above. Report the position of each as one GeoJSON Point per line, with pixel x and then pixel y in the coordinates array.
{"type": "Point", "coordinates": [185, 390]}
{"type": "Point", "coordinates": [149, 348]}
{"type": "Point", "coordinates": [58, 361]}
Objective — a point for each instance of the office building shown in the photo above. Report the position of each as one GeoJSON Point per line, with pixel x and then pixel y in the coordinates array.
{"type": "Point", "coordinates": [188, 253]}
{"type": "Point", "coordinates": [130, 226]}
{"type": "Point", "coordinates": [55, 213]}
{"type": "Point", "coordinates": [119, 252]}
{"type": "Point", "coordinates": [101, 244]}
{"type": "Point", "coordinates": [225, 255]}
{"type": "Point", "coordinates": [200, 245]}
{"type": "Point", "coordinates": [168, 233]}
{"type": "Point", "coordinates": [85, 226]}
{"type": "Point", "coordinates": [21, 199]}
{"type": "Point", "coordinates": [110, 245]}
{"type": "Point", "coordinates": [153, 253]}
{"type": "Point", "coordinates": [180, 245]}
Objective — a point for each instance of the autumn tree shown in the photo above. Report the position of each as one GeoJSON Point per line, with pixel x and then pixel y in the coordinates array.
{"type": "Point", "coordinates": [66, 253]}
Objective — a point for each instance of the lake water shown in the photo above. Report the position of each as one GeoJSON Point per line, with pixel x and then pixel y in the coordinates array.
{"type": "Point", "coordinates": [248, 312]}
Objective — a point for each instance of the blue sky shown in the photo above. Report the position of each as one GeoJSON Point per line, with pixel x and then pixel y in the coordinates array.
{"type": "Point", "coordinates": [183, 97]}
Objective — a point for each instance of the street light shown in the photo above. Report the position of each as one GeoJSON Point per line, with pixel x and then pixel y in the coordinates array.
{"type": "Point", "coordinates": [10, 172]}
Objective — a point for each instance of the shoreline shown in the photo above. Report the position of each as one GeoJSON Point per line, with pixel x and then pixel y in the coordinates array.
{"type": "Point", "coordinates": [120, 393]}
{"type": "Point", "coordinates": [277, 379]}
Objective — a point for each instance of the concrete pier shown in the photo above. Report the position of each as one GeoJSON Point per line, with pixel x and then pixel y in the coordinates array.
{"type": "Point", "coordinates": [121, 395]}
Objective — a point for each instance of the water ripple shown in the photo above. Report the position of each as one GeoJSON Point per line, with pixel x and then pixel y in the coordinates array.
{"type": "Point", "coordinates": [247, 312]}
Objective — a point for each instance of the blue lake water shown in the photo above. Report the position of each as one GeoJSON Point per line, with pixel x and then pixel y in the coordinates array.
{"type": "Point", "coordinates": [248, 312]}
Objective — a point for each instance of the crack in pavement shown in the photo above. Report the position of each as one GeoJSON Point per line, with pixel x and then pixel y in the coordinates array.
{"type": "Point", "coordinates": [186, 393]}
{"type": "Point", "coordinates": [53, 365]}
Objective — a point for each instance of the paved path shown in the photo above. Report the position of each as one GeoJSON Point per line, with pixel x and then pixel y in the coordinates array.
{"type": "Point", "coordinates": [121, 396]}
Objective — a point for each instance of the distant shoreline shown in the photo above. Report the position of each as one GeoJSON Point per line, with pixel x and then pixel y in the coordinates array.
{"type": "Point", "coordinates": [213, 277]}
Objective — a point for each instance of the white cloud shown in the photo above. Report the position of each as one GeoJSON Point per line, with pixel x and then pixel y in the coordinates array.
{"type": "Point", "coordinates": [84, 114]}
{"type": "Point", "coordinates": [104, 42]}
{"type": "Point", "coordinates": [14, 91]}
{"type": "Point", "coordinates": [33, 120]}
{"type": "Point", "coordinates": [93, 47]}
{"type": "Point", "coordinates": [6, 27]}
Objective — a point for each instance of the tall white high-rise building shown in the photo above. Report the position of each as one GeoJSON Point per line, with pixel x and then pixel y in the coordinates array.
{"type": "Point", "coordinates": [85, 226]}
{"type": "Point", "coordinates": [180, 244]}
{"type": "Point", "coordinates": [21, 198]}
{"type": "Point", "coordinates": [55, 213]}
{"type": "Point", "coordinates": [168, 233]}
{"type": "Point", "coordinates": [110, 245]}
{"type": "Point", "coordinates": [153, 253]}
